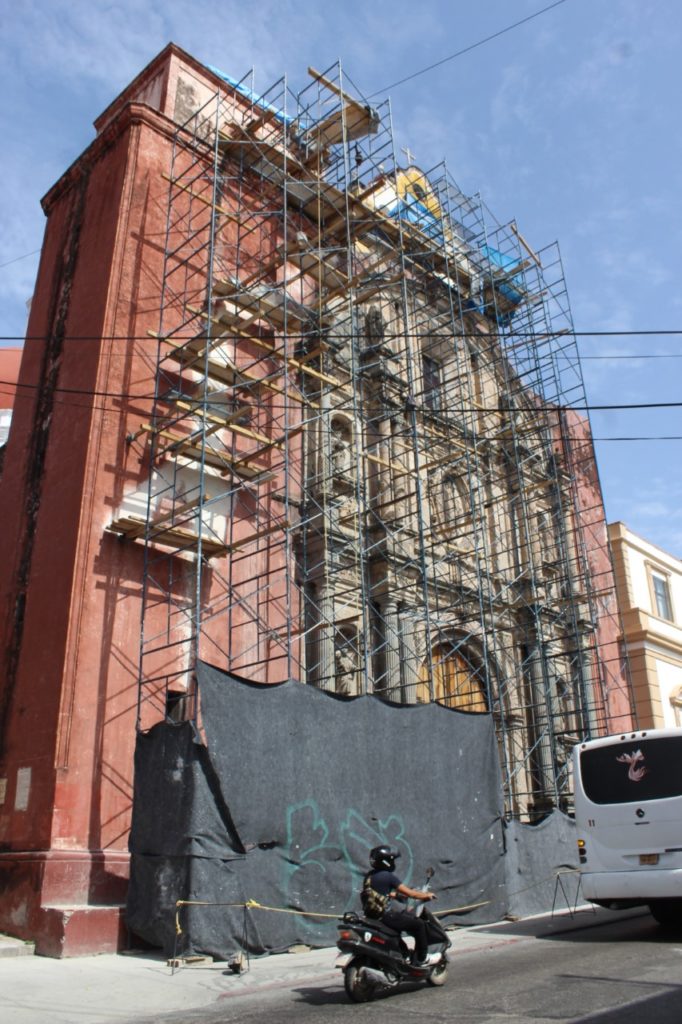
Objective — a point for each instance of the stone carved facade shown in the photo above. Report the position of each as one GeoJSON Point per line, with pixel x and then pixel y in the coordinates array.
{"type": "Point", "coordinates": [457, 545]}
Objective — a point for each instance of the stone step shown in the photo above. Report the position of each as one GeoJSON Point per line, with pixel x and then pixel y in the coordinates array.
{"type": "Point", "coordinates": [15, 947]}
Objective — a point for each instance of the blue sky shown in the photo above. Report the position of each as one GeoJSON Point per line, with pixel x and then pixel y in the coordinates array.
{"type": "Point", "coordinates": [570, 124]}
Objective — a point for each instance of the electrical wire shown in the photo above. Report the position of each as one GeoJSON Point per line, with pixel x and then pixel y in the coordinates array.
{"type": "Point", "coordinates": [17, 258]}
{"type": "Point", "coordinates": [468, 49]}
{"type": "Point", "coordinates": [635, 333]}
{"type": "Point", "coordinates": [552, 407]}
{"type": "Point", "coordinates": [72, 404]}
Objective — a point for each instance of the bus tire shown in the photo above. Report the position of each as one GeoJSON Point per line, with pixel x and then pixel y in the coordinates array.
{"type": "Point", "coordinates": [667, 912]}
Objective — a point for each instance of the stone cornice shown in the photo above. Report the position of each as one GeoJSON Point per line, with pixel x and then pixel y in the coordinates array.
{"type": "Point", "coordinates": [130, 115]}
{"type": "Point", "coordinates": [651, 640]}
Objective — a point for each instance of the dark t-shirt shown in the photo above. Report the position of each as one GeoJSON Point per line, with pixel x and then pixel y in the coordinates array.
{"type": "Point", "coordinates": [384, 881]}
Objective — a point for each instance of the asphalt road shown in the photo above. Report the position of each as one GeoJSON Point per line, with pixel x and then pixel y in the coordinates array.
{"type": "Point", "coordinates": [619, 972]}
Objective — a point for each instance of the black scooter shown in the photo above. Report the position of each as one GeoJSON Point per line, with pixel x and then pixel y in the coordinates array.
{"type": "Point", "coordinates": [375, 957]}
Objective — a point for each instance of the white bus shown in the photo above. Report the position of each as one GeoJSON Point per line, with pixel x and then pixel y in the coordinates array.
{"type": "Point", "coordinates": [628, 812]}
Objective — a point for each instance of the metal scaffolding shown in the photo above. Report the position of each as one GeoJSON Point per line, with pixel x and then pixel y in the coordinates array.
{"type": "Point", "coordinates": [368, 464]}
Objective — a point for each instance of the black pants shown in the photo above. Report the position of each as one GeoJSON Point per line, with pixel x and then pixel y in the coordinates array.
{"type": "Point", "coordinates": [404, 922]}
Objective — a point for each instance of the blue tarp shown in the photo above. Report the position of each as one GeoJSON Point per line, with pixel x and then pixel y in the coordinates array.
{"type": "Point", "coordinates": [251, 95]}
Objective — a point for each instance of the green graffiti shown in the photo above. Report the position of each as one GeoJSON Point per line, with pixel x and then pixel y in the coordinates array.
{"type": "Point", "coordinates": [322, 871]}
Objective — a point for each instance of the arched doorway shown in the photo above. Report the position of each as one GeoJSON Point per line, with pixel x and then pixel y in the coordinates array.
{"type": "Point", "coordinates": [456, 683]}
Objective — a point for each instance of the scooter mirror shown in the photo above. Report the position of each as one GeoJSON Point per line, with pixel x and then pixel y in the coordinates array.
{"type": "Point", "coordinates": [430, 873]}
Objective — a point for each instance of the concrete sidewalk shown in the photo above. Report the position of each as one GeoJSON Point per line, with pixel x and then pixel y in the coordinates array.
{"type": "Point", "coordinates": [102, 989]}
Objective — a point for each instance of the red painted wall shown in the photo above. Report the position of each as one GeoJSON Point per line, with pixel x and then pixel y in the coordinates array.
{"type": "Point", "coordinates": [70, 592]}
{"type": "Point", "coordinates": [610, 674]}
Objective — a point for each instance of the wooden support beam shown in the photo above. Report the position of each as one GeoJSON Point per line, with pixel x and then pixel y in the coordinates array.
{"type": "Point", "coordinates": [177, 439]}
{"type": "Point", "coordinates": [296, 364]}
{"type": "Point", "coordinates": [314, 353]}
{"type": "Point", "coordinates": [380, 502]}
{"type": "Point", "coordinates": [525, 244]}
{"type": "Point", "coordinates": [332, 86]}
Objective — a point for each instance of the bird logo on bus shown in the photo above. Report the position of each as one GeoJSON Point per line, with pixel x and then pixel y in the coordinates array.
{"type": "Point", "coordinates": [637, 769]}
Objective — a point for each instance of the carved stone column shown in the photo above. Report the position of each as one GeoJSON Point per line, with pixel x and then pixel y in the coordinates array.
{"type": "Point", "coordinates": [543, 720]}
{"type": "Point", "coordinates": [410, 656]}
{"type": "Point", "coordinates": [391, 648]}
{"type": "Point", "coordinates": [326, 667]}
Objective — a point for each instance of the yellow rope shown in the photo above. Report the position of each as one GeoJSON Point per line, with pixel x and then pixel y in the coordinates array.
{"type": "Point", "coordinates": [255, 905]}
{"type": "Point", "coordinates": [251, 904]}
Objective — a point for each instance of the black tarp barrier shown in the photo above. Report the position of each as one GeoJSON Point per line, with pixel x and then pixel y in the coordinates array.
{"type": "Point", "coordinates": [541, 865]}
{"type": "Point", "coordinates": [291, 791]}
{"type": "Point", "coordinates": [285, 801]}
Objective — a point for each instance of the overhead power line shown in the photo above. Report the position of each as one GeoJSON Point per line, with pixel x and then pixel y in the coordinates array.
{"type": "Point", "coordinates": [17, 258]}
{"type": "Point", "coordinates": [551, 407]}
{"type": "Point", "coordinates": [635, 333]}
{"type": "Point", "coordinates": [647, 437]}
{"type": "Point", "coordinates": [468, 49]}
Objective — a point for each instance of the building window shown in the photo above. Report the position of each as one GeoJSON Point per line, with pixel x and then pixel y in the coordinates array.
{"type": "Point", "coordinates": [431, 383]}
{"type": "Point", "coordinates": [662, 601]}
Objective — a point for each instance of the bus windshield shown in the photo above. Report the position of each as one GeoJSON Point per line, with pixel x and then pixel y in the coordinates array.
{"type": "Point", "coordinates": [633, 771]}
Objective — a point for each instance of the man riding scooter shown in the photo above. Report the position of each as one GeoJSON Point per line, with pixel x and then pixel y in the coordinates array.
{"type": "Point", "coordinates": [380, 886]}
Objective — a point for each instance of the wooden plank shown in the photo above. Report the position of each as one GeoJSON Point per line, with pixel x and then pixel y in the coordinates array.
{"type": "Point", "coordinates": [227, 374]}
{"type": "Point", "coordinates": [259, 149]}
{"type": "Point", "coordinates": [271, 444]}
{"type": "Point", "coordinates": [343, 123]}
{"type": "Point", "coordinates": [314, 266]}
{"type": "Point", "coordinates": [262, 307]}
{"type": "Point", "coordinates": [253, 380]}
{"type": "Point", "coordinates": [226, 422]}
{"type": "Point", "coordinates": [294, 363]}
{"type": "Point", "coordinates": [332, 86]}
{"type": "Point", "coordinates": [173, 536]}
{"type": "Point", "coordinates": [184, 446]}
{"type": "Point", "coordinates": [262, 119]}
{"type": "Point", "coordinates": [179, 510]}
{"type": "Point", "coordinates": [357, 115]}
{"type": "Point", "coordinates": [225, 463]}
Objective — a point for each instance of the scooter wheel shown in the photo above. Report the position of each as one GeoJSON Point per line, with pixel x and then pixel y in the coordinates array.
{"type": "Point", "coordinates": [439, 975]}
{"type": "Point", "coordinates": [357, 987]}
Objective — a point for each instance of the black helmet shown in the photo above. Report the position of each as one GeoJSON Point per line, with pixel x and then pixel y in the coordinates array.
{"type": "Point", "coordinates": [383, 857]}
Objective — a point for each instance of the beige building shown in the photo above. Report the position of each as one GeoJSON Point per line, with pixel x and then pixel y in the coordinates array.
{"type": "Point", "coordinates": [649, 585]}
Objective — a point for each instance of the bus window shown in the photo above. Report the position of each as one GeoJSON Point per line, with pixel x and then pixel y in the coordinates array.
{"type": "Point", "coordinates": [633, 771]}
